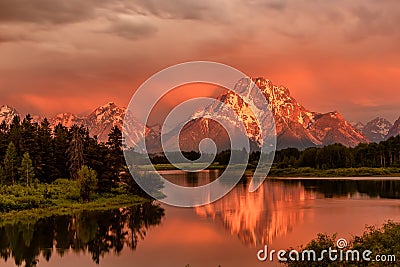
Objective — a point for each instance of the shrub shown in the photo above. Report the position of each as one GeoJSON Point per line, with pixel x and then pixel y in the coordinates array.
{"type": "Point", "coordinates": [87, 182]}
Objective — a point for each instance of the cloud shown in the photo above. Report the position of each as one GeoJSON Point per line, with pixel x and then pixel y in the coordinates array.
{"type": "Point", "coordinates": [182, 9]}
{"type": "Point", "coordinates": [7, 38]}
{"type": "Point", "coordinates": [373, 20]}
{"type": "Point", "coordinates": [278, 5]}
{"type": "Point", "coordinates": [319, 49]}
{"type": "Point", "coordinates": [47, 11]}
{"type": "Point", "coordinates": [11, 34]}
{"type": "Point", "coordinates": [131, 27]}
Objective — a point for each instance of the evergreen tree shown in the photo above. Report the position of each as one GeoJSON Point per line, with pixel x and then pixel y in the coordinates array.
{"type": "Point", "coordinates": [87, 180]}
{"type": "Point", "coordinates": [115, 139]}
{"type": "Point", "coordinates": [28, 132]}
{"type": "Point", "coordinates": [75, 152]}
{"type": "Point", "coordinates": [95, 154]}
{"type": "Point", "coordinates": [3, 140]}
{"type": "Point", "coordinates": [14, 134]}
{"type": "Point", "coordinates": [2, 176]}
{"type": "Point", "coordinates": [11, 162]}
{"type": "Point", "coordinates": [115, 160]}
{"type": "Point", "coordinates": [46, 168]}
{"type": "Point", "coordinates": [26, 171]}
{"type": "Point", "coordinates": [60, 143]}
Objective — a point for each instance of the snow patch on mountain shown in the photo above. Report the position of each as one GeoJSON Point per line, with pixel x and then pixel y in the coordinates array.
{"type": "Point", "coordinates": [7, 114]}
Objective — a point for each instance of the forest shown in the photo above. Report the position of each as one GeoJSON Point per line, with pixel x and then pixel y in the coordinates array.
{"type": "Point", "coordinates": [373, 155]}
{"type": "Point", "coordinates": [31, 152]}
{"type": "Point", "coordinates": [40, 166]}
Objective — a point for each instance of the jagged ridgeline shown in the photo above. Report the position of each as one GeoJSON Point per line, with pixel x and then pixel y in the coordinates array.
{"type": "Point", "coordinates": [296, 126]}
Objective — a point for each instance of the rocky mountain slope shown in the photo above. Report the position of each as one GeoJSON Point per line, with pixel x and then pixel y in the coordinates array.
{"type": "Point", "coordinates": [7, 114]}
{"type": "Point", "coordinates": [375, 130]}
{"type": "Point", "coordinates": [395, 130]}
{"type": "Point", "coordinates": [296, 126]}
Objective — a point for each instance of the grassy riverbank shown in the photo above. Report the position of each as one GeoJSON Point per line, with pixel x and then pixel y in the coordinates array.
{"type": "Point", "coordinates": [301, 172]}
{"type": "Point", "coordinates": [61, 197]}
{"type": "Point", "coordinates": [170, 167]}
{"type": "Point", "coordinates": [342, 172]}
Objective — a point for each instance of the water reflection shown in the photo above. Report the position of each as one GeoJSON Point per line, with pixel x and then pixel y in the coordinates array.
{"type": "Point", "coordinates": [384, 188]}
{"type": "Point", "coordinates": [282, 213]}
{"type": "Point", "coordinates": [97, 232]}
{"type": "Point", "coordinates": [259, 217]}
{"type": "Point", "coordinates": [276, 207]}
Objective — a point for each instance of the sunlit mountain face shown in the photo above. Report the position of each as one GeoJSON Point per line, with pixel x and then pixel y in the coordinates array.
{"type": "Point", "coordinates": [258, 218]}
{"type": "Point", "coordinates": [296, 126]}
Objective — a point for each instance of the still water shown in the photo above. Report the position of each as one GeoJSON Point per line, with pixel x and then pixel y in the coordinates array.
{"type": "Point", "coordinates": [283, 213]}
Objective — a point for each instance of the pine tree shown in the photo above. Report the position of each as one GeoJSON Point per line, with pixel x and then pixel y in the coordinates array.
{"type": "Point", "coordinates": [11, 162]}
{"type": "Point", "coordinates": [3, 140]}
{"type": "Point", "coordinates": [26, 171]}
{"type": "Point", "coordinates": [46, 168]}
{"type": "Point", "coordinates": [75, 152]}
{"type": "Point", "coordinates": [60, 151]}
{"type": "Point", "coordinates": [29, 141]}
{"type": "Point", "coordinates": [14, 135]}
{"type": "Point", "coordinates": [115, 160]}
{"type": "Point", "coordinates": [2, 175]}
{"type": "Point", "coordinates": [116, 154]}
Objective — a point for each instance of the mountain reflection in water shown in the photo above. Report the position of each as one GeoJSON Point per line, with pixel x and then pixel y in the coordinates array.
{"type": "Point", "coordinates": [276, 207]}
{"type": "Point", "coordinates": [257, 218]}
{"type": "Point", "coordinates": [281, 213]}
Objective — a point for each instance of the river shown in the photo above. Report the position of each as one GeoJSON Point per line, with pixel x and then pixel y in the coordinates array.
{"type": "Point", "coordinates": [282, 213]}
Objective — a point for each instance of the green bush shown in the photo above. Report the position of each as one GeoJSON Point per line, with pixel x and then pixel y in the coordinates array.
{"type": "Point", "coordinates": [380, 240]}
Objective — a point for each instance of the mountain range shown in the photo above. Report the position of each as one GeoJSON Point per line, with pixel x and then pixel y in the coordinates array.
{"type": "Point", "coordinates": [375, 130]}
{"type": "Point", "coordinates": [296, 126]}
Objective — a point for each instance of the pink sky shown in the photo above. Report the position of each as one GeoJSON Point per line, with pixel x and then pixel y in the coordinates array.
{"type": "Point", "coordinates": [59, 56]}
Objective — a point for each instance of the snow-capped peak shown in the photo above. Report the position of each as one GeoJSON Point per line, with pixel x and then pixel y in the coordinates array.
{"type": "Point", "coordinates": [377, 129]}
{"type": "Point", "coordinates": [7, 114]}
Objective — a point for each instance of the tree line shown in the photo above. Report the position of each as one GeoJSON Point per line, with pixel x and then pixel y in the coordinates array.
{"type": "Point", "coordinates": [334, 156]}
{"type": "Point", "coordinates": [32, 152]}
{"type": "Point", "coordinates": [374, 155]}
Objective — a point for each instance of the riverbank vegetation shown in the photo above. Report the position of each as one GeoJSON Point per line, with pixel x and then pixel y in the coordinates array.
{"type": "Point", "coordinates": [59, 197]}
{"type": "Point", "coordinates": [383, 155]}
{"type": "Point", "coordinates": [383, 241]}
{"type": "Point", "coordinates": [33, 158]}
{"type": "Point", "coordinates": [334, 160]}
{"type": "Point", "coordinates": [340, 172]}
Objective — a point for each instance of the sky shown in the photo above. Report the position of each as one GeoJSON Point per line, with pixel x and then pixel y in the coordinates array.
{"type": "Point", "coordinates": [58, 56]}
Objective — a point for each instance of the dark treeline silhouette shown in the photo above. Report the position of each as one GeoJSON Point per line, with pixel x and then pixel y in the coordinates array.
{"type": "Point", "coordinates": [162, 159]}
{"type": "Point", "coordinates": [57, 153]}
{"type": "Point", "coordinates": [384, 154]}
{"type": "Point", "coordinates": [222, 157]}
{"type": "Point", "coordinates": [95, 232]}
{"type": "Point", "coordinates": [332, 188]}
